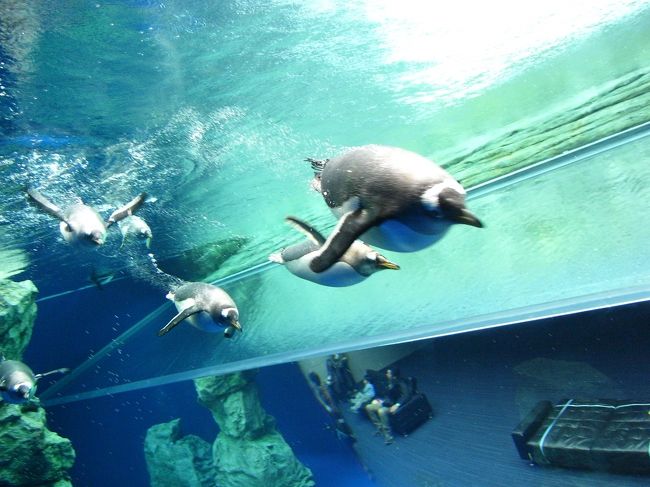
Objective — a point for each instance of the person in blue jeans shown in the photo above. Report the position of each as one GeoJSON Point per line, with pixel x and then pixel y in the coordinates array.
{"type": "Point", "coordinates": [390, 397]}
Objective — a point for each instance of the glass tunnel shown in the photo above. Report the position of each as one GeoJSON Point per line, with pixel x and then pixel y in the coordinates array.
{"type": "Point", "coordinates": [540, 208]}
{"type": "Point", "coordinates": [540, 110]}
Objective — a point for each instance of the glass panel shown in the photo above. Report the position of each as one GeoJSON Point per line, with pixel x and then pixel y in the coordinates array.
{"type": "Point", "coordinates": [560, 238]}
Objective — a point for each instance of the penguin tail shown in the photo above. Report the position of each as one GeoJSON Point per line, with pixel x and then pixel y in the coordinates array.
{"type": "Point", "coordinates": [276, 257]}
{"type": "Point", "coordinates": [317, 165]}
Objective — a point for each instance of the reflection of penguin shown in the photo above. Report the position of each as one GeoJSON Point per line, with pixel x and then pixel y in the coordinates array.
{"type": "Point", "coordinates": [18, 382]}
{"type": "Point", "coordinates": [81, 224]}
{"type": "Point", "coordinates": [206, 307]}
{"type": "Point", "coordinates": [392, 198]}
{"type": "Point", "coordinates": [134, 226]}
{"type": "Point", "coordinates": [356, 264]}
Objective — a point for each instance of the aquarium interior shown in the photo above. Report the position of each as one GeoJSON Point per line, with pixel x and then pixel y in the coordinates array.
{"type": "Point", "coordinates": [540, 112]}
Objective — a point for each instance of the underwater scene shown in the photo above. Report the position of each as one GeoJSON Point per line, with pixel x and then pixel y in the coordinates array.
{"type": "Point", "coordinates": [271, 243]}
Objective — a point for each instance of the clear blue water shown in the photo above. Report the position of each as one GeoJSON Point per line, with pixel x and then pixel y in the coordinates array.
{"type": "Point", "coordinates": [211, 107]}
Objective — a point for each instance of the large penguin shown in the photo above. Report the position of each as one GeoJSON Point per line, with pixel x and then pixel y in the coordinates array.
{"type": "Point", "coordinates": [206, 307]}
{"type": "Point", "coordinates": [356, 264]}
{"type": "Point", "coordinates": [81, 224]}
{"type": "Point", "coordinates": [18, 382]}
{"type": "Point", "coordinates": [390, 197]}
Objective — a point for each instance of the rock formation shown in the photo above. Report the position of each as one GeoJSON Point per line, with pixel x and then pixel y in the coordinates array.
{"type": "Point", "coordinates": [31, 455]}
{"type": "Point", "coordinates": [249, 451]}
{"type": "Point", "coordinates": [17, 315]}
{"type": "Point", "coordinates": [174, 460]}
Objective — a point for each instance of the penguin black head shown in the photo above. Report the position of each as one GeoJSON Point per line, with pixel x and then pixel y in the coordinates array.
{"type": "Point", "coordinates": [18, 393]}
{"type": "Point", "coordinates": [24, 390]}
{"type": "Point", "coordinates": [96, 237]}
{"type": "Point", "coordinates": [232, 317]}
{"type": "Point", "coordinates": [452, 207]}
{"type": "Point", "coordinates": [373, 262]}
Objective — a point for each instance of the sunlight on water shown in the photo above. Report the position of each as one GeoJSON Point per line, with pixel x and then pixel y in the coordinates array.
{"type": "Point", "coordinates": [211, 108]}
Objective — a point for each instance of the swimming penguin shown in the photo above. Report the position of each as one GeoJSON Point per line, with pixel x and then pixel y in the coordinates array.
{"type": "Point", "coordinates": [206, 307]}
{"type": "Point", "coordinates": [135, 226]}
{"type": "Point", "coordinates": [390, 197]}
{"type": "Point", "coordinates": [81, 224]}
{"type": "Point", "coordinates": [356, 264]}
{"type": "Point", "coordinates": [18, 382]}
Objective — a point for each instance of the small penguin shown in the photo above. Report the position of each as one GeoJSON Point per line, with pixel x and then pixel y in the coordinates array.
{"type": "Point", "coordinates": [18, 382]}
{"type": "Point", "coordinates": [135, 226]}
{"type": "Point", "coordinates": [390, 197]}
{"type": "Point", "coordinates": [356, 264]}
{"type": "Point", "coordinates": [81, 224]}
{"type": "Point", "coordinates": [206, 307]}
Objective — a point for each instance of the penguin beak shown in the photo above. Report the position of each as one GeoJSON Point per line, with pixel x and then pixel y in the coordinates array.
{"type": "Point", "coordinates": [453, 208]}
{"type": "Point", "coordinates": [384, 263]}
{"type": "Point", "coordinates": [148, 242]}
{"type": "Point", "coordinates": [236, 324]}
{"type": "Point", "coordinates": [466, 217]}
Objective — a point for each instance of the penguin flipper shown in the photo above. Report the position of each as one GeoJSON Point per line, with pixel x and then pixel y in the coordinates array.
{"type": "Point", "coordinates": [350, 227]}
{"type": "Point", "coordinates": [46, 205]}
{"type": "Point", "coordinates": [310, 232]}
{"type": "Point", "coordinates": [64, 370]}
{"type": "Point", "coordinates": [126, 210]}
{"type": "Point", "coordinates": [186, 313]}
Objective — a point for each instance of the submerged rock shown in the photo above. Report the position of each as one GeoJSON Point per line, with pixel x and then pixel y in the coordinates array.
{"type": "Point", "coordinates": [235, 405]}
{"type": "Point", "coordinates": [31, 455]}
{"type": "Point", "coordinates": [17, 315]}
{"type": "Point", "coordinates": [174, 460]}
{"type": "Point", "coordinates": [249, 451]}
{"type": "Point", "coordinates": [198, 263]}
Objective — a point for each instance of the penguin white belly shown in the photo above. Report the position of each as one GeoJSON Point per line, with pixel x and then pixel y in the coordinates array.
{"type": "Point", "coordinates": [399, 237]}
{"type": "Point", "coordinates": [396, 235]}
{"type": "Point", "coordinates": [82, 221]}
{"type": "Point", "coordinates": [340, 274]}
{"type": "Point", "coordinates": [204, 322]}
